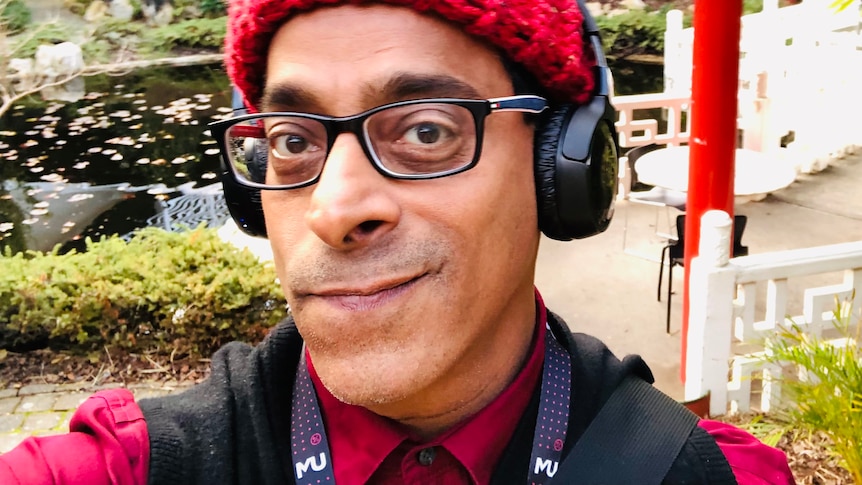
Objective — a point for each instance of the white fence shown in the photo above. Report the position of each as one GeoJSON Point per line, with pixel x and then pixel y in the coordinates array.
{"type": "Point", "coordinates": [727, 335]}
{"type": "Point", "coordinates": [799, 82]}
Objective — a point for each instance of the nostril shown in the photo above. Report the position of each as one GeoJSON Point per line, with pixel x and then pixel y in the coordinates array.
{"type": "Point", "coordinates": [361, 230]}
{"type": "Point", "coordinates": [368, 227]}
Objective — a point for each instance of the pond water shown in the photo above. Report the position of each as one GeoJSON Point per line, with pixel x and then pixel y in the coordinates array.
{"type": "Point", "coordinates": [98, 166]}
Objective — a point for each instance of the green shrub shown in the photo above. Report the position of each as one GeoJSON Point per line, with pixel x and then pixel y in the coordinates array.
{"type": "Point", "coordinates": [206, 33]}
{"type": "Point", "coordinates": [636, 32]}
{"type": "Point", "coordinates": [213, 8]}
{"type": "Point", "coordinates": [830, 399]}
{"type": "Point", "coordinates": [14, 15]}
{"type": "Point", "coordinates": [48, 33]}
{"type": "Point", "coordinates": [187, 293]}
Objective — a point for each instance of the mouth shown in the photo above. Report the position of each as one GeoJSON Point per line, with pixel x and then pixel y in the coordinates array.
{"type": "Point", "coordinates": [357, 300]}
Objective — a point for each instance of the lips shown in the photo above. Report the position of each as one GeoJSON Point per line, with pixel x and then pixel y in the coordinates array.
{"type": "Point", "coordinates": [357, 300]}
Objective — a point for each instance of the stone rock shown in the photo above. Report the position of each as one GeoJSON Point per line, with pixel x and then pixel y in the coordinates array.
{"type": "Point", "coordinates": [595, 8]}
{"type": "Point", "coordinates": [616, 11]}
{"type": "Point", "coordinates": [60, 59]}
{"type": "Point", "coordinates": [633, 4]}
{"type": "Point", "coordinates": [121, 10]}
{"type": "Point", "coordinates": [57, 61]}
{"type": "Point", "coordinates": [96, 11]}
{"type": "Point", "coordinates": [164, 15]}
{"type": "Point", "coordinates": [158, 13]}
{"type": "Point", "coordinates": [21, 67]}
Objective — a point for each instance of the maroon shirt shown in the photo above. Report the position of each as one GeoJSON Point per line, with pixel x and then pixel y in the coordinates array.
{"type": "Point", "coordinates": [109, 430]}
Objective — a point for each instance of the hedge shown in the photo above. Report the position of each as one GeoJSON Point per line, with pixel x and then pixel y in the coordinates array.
{"type": "Point", "coordinates": [184, 293]}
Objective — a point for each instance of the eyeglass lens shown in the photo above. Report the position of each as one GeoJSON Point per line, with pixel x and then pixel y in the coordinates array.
{"type": "Point", "coordinates": [408, 140]}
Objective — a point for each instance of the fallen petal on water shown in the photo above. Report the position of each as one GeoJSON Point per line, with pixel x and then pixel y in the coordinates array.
{"type": "Point", "coordinates": [78, 198]}
{"type": "Point", "coordinates": [211, 151]}
{"type": "Point", "coordinates": [38, 212]}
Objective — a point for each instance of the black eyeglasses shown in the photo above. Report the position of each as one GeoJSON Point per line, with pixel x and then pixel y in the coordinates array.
{"type": "Point", "coordinates": [419, 139]}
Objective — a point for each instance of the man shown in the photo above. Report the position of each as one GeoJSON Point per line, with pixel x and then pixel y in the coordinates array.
{"type": "Point", "coordinates": [391, 149]}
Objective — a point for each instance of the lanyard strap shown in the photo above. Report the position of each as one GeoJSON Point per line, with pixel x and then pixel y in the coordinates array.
{"type": "Point", "coordinates": [312, 462]}
{"type": "Point", "coordinates": [553, 421]}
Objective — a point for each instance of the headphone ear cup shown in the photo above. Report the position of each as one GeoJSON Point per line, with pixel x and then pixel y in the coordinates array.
{"type": "Point", "coordinates": [243, 202]}
{"type": "Point", "coordinates": [576, 169]}
{"type": "Point", "coordinates": [546, 147]}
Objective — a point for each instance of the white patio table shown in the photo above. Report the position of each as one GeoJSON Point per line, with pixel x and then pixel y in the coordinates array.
{"type": "Point", "coordinates": [756, 174]}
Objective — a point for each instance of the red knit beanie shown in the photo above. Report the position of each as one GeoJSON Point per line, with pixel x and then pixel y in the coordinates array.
{"type": "Point", "coordinates": [544, 36]}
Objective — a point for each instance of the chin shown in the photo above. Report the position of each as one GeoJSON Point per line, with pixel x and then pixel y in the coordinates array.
{"type": "Point", "coordinates": [373, 379]}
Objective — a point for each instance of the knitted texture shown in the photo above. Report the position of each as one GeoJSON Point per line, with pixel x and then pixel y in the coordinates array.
{"type": "Point", "coordinates": [544, 36]}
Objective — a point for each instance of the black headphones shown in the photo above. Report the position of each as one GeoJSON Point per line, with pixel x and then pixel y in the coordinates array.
{"type": "Point", "coordinates": [576, 163]}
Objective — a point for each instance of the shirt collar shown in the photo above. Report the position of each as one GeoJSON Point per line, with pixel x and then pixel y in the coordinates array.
{"type": "Point", "coordinates": [360, 440]}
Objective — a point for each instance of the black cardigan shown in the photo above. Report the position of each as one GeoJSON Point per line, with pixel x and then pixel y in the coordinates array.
{"type": "Point", "coordinates": [234, 428]}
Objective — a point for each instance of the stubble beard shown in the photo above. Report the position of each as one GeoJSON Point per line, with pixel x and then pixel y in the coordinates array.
{"type": "Point", "coordinates": [386, 360]}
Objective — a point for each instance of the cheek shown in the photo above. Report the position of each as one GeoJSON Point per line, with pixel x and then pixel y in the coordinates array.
{"type": "Point", "coordinates": [284, 215]}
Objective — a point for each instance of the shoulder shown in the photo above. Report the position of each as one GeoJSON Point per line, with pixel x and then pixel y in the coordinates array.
{"type": "Point", "coordinates": [752, 462]}
{"type": "Point", "coordinates": [195, 434]}
{"type": "Point", "coordinates": [107, 443]}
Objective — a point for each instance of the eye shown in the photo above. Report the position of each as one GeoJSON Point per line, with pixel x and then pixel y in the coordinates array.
{"type": "Point", "coordinates": [428, 133]}
{"type": "Point", "coordinates": [424, 133]}
{"type": "Point", "coordinates": [289, 144]}
{"type": "Point", "coordinates": [291, 137]}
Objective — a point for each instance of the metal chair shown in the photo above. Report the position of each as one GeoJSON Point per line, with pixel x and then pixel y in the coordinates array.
{"type": "Point", "coordinates": [674, 252]}
{"type": "Point", "coordinates": [657, 197]}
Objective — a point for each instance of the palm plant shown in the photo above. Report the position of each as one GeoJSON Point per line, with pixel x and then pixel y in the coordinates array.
{"type": "Point", "coordinates": [827, 397]}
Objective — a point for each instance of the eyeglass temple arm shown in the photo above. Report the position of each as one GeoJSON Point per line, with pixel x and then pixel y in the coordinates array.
{"type": "Point", "coordinates": [525, 103]}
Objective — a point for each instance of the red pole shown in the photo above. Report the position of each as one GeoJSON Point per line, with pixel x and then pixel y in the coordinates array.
{"type": "Point", "coordinates": [715, 79]}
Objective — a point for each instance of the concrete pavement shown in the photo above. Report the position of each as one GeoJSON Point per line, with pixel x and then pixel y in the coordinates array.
{"type": "Point", "coordinates": [46, 409]}
{"type": "Point", "coordinates": [592, 283]}
{"type": "Point", "coordinates": [611, 294]}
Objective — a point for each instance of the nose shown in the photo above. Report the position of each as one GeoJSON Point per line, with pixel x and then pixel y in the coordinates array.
{"type": "Point", "coordinates": [352, 204]}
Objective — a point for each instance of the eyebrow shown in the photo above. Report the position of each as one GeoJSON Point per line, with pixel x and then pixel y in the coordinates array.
{"type": "Point", "coordinates": [287, 96]}
{"type": "Point", "coordinates": [401, 86]}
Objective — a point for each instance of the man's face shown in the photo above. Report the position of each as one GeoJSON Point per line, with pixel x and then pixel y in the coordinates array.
{"type": "Point", "coordinates": [402, 289]}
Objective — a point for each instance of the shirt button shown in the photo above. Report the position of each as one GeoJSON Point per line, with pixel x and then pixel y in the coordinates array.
{"type": "Point", "coordinates": [426, 456]}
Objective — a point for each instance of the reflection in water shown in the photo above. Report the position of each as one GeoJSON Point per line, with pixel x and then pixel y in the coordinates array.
{"type": "Point", "coordinates": [52, 212]}
{"type": "Point", "coordinates": [76, 170]}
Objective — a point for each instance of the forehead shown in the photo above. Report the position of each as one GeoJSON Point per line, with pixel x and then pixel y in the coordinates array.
{"type": "Point", "coordinates": [355, 57]}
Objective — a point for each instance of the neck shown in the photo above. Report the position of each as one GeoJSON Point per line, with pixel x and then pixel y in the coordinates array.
{"type": "Point", "coordinates": [469, 387]}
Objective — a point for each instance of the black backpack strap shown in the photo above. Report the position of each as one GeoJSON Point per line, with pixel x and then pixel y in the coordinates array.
{"type": "Point", "coordinates": [635, 438]}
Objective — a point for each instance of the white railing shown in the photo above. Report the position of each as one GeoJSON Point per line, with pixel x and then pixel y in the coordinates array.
{"type": "Point", "coordinates": [726, 332]}
{"type": "Point", "coordinates": [798, 74]}
{"type": "Point", "coordinates": [636, 126]}
{"type": "Point", "coordinates": [799, 82]}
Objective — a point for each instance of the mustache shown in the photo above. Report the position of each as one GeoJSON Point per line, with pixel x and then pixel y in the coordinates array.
{"type": "Point", "coordinates": [324, 267]}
